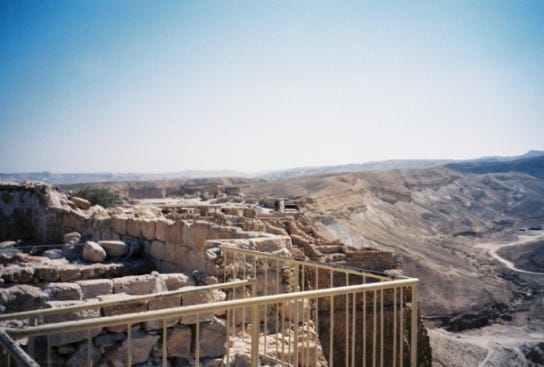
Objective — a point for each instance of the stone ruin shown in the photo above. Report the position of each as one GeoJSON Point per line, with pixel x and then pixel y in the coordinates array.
{"type": "Point", "coordinates": [60, 251]}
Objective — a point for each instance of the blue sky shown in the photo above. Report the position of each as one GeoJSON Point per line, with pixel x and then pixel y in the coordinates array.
{"type": "Point", "coordinates": [162, 86]}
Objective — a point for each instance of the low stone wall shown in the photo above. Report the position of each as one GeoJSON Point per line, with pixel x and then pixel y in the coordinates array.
{"type": "Point", "coordinates": [110, 344]}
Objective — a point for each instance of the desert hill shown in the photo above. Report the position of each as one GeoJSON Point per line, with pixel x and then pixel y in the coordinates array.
{"type": "Point", "coordinates": [432, 219]}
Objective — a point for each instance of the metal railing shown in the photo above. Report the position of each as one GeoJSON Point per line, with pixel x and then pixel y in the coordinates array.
{"type": "Point", "coordinates": [279, 311]}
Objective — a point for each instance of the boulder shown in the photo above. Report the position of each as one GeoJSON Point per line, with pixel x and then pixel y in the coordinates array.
{"type": "Point", "coordinates": [92, 251]}
{"type": "Point", "coordinates": [114, 248]}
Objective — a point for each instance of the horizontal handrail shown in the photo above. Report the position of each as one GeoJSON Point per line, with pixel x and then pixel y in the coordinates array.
{"type": "Point", "coordinates": [317, 264]}
{"type": "Point", "coordinates": [133, 318]}
{"type": "Point", "coordinates": [124, 301]}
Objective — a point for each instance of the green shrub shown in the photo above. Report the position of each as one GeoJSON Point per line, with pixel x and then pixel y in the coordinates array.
{"type": "Point", "coordinates": [100, 197]}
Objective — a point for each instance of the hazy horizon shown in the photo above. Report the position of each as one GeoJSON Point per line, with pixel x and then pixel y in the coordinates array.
{"type": "Point", "coordinates": [159, 87]}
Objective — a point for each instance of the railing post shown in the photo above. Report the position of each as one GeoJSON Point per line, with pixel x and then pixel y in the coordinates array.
{"type": "Point", "coordinates": [255, 335]}
{"type": "Point", "coordinates": [414, 329]}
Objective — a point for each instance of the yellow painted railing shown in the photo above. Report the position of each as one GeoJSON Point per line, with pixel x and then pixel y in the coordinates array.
{"type": "Point", "coordinates": [287, 312]}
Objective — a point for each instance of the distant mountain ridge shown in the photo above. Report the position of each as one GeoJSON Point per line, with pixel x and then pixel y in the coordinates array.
{"type": "Point", "coordinates": [77, 178]}
{"type": "Point", "coordinates": [531, 163]}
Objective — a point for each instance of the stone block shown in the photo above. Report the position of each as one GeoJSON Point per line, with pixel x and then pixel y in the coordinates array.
{"type": "Point", "coordinates": [63, 292]}
{"type": "Point", "coordinates": [93, 252]}
{"type": "Point", "coordinates": [159, 304]}
{"type": "Point", "coordinates": [134, 228]}
{"type": "Point", "coordinates": [114, 248]}
{"type": "Point", "coordinates": [179, 342]}
{"type": "Point", "coordinates": [175, 233]}
{"type": "Point", "coordinates": [161, 229]}
{"type": "Point", "coordinates": [69, 273]}
{"type": "Point", "coordinates": [20, 297]}
{"type": "Point", "coordinates": [93, 288]}
{"type": "Point", "coordinates": [120, 309]}
{"type": "Point", "coordinates": [148, 229]}
{"type": "Point", "coordinates": [73, 336]}
{"type": "Point", "coordinates": [213, 336]}
{"type": "Point", "coordinates": [119, 224]}
{"type": "Point", "coordinates": [79, 357]}
{"type": "Point", "coordinates": [197, 297]}
{"type": "Point", "coordinates": [93, 271]}
{"type": "Point", "coordinates": [157, 250]}
{"type": "Point", "coordinates": [47, 273]}
{"type": "Point", "coordinates": [18, 274]}
{"type": "Point", "coordinates": [139, 284]}
{"type": "Point", "coordinates": [176, 280]}
{"type": "Point", "coordinates": [141, 345]}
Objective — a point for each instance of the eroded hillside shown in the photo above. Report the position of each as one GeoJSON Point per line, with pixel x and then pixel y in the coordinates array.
{"type": "Point", "coordinates": [433, 219]}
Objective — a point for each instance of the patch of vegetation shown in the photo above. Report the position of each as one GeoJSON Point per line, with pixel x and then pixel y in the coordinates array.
{"type": "Point", "coordinates": [100, 197]}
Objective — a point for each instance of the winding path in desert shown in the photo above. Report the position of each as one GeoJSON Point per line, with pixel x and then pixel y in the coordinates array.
{"type": "Point", "coordinates": [493, 248]}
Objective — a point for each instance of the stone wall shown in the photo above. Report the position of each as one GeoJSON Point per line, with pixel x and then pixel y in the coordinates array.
{"type": "Point", "coordinates": [30, 211]}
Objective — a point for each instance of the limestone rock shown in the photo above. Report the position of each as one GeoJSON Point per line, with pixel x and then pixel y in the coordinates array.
{"type": "Point", "coordinates": [93, 252]}
{"type": "Point", "coordinates": [119, 224]}
{"type": "Point", "coordinates": [72, 238]}
{"type": "Point", "coordinates": [139, 284]}
{"type": "Point", "coordinates": [213, 336]}
{"type": "Point", "coordinates": [141, 345]}
{"type": "Point", "coordinates": [47, 273]}
{"type": "Point", "coordinates": [148, 229]}
{"type": "Point", "coordinates": [80, 202]}
{"type": "Point", "coordinates": [120, 309]}
{"type": "Point", "coordinates": [18, 274]}
{"type": "Point", "coordinates": [93, 288]}
{"type": "Point", "coordinates": [73, 336]}
{"type": "Point", "coordinates": [69, 273]}
{"type": "Point", "coordinates": [199, 297]}
{"type": "Point", "coordinates": [114, 248]}
{"type": "Point", "coordinates": [134, 228]}
{"type": "Point", "coordinates": [79, 357]}
{"type": "Point", "coordinates": [179, 342]}
{"type": "Point", "coordinates": [159, 304]}
{"type": "Point", "coordinates": [20, 297]}
{"type": "Point", "coordinates": [175, 281]}
{"type": "Point", "coordinates": [161, 229]}
{"type": "Point", "coordinates": [63, 291]}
